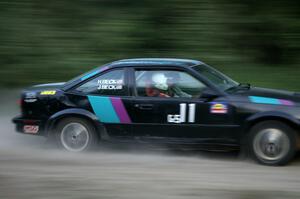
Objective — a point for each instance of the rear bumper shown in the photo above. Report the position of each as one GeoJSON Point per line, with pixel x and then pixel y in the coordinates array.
{"type": "Point", "coordinates": [29, 126]}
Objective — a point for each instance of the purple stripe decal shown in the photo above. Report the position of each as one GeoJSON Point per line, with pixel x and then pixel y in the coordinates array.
{"type": "Point", "coordinates": [286, 102]}
{"type": "Point", "coordinates": [103, 68]}
{"type": "Point", "coordinates": [120, 110]}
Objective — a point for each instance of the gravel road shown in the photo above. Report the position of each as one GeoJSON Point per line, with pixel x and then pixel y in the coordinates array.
{"type": "Point", "coordinates": [29, 168]}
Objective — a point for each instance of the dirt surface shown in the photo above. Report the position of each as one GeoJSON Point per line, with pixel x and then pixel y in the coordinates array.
{"type": "Point", "coordinates": [29, 168]}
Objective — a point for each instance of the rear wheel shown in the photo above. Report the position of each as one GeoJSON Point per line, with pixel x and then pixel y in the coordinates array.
{"type": "Point", "coordinates": [76, 135]}
{"type": "Point", "coordinates": [272, 143]}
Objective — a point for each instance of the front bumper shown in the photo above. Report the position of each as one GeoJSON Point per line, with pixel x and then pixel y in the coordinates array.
{"type": "Point", "coordinates": [29, 126]}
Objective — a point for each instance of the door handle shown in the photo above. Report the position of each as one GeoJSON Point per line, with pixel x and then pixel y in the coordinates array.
{"type": "Point", "coordinates": [144, 106]}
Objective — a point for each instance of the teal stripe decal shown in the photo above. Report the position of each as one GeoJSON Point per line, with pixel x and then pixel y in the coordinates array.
{"type": "Point", "coordinates": [90, 75]}
{"type": "Point", "coordinates": [264, 100]}
{"type": "Point", "coordinates": [104, 109]}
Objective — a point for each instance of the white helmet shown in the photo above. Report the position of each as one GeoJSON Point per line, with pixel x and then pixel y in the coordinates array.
{"type": "Point", "coordinates": [160, 81]}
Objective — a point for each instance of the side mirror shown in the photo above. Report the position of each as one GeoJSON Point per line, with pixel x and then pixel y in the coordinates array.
{"type": "Point", "coordinates": [209, 94]}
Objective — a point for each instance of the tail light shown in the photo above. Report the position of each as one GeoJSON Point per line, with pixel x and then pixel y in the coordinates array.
{"type": "Point", "coordinates": [19, 102]}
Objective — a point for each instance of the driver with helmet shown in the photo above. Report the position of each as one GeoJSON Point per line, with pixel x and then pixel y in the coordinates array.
{"type": "Point", "coordinates": [158, 86]}
{"type": "Point", "coordinates": [164, 85]}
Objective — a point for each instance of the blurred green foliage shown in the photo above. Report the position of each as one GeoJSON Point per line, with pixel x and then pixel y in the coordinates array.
{"type": "Point", "coordinates": [48, 41]}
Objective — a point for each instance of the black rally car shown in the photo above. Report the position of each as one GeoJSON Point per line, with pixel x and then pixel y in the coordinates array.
{"type": "Point", "coordinates": [171, 101]}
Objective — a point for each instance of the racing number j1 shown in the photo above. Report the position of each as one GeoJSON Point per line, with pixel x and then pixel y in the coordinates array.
{"type": "Point", "coordinates": [181, 118]}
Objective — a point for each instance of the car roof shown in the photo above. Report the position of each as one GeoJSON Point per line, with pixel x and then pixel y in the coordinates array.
{"type": "Point", "coordinates": [156, 62]}
{"type": "Point", "coordinates": [148, 62]}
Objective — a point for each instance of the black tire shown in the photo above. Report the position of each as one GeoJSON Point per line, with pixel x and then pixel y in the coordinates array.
{"type": "Point", "coordinates": [69, 130]}
{"type": "Point", "coordinates": [272, 143]}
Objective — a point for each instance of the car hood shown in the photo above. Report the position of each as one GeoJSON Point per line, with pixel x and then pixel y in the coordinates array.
{"type": "Point", "coordinates": [269, 93]}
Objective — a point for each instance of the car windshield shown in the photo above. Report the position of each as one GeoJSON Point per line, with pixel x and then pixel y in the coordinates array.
{"type": "Point", "coordinates": [217, 78]}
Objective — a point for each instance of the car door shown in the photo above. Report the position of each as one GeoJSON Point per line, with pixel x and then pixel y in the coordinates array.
{"type": "Point", "coordinates": [178, 112]}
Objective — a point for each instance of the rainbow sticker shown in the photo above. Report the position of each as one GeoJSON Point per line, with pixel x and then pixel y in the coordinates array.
{"type": "Point", "coordinates": [218, 108]}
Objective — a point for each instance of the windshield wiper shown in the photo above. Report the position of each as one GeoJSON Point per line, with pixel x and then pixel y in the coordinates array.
{"type": "Point", "coordinates": [240, 86]}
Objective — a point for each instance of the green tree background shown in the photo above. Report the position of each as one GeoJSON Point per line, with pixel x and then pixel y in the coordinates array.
{"type": "Point", "coordinates": [251, 41]}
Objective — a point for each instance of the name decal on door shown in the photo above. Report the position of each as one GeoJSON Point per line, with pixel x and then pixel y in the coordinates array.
{"type": "Point", "coordinates": [182, 116]}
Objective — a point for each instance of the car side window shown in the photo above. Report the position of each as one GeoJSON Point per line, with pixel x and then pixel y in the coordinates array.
{"type": "Point", "coordinates": [167, 83]}
{"type": "Point", "coordinates": [110, 83]}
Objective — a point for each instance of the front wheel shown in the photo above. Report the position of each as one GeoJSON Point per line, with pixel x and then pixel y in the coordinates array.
{"type": "Point", "coordinates": [272, 143]}
{"type": "Point", "coordinates": [76, 135]}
